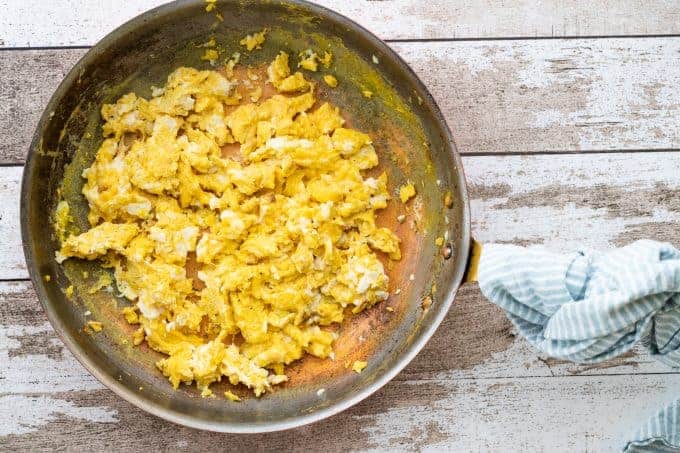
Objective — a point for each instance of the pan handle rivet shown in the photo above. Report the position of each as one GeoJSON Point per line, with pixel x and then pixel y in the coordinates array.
{"type": "Point", "coordinates": [448, 251]}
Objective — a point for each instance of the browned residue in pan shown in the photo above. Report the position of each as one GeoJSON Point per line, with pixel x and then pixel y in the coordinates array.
{"type": "Point", "coordinates": [359, 335]}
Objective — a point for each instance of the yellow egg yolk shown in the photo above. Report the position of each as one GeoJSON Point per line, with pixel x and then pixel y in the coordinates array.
{"type": "Point", "coordinates": [235, 265]}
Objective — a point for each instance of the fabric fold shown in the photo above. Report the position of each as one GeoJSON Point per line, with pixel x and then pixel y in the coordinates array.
{"type": "Point", "coordinates": [589, 307]}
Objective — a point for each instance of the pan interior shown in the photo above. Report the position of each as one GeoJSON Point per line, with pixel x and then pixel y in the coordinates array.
{"type": "Point", "coordinates": [413, 145]}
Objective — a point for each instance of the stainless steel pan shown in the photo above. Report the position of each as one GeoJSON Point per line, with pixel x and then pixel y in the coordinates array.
{"type": "Point", "coordinates": [413, 141]}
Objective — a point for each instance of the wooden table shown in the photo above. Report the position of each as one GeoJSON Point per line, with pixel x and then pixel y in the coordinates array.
{"type": "Point", "coordinates": [568, 116]}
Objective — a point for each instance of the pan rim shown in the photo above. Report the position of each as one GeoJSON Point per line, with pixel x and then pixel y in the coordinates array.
{"type": "Point", "coordinates": [148, 405]}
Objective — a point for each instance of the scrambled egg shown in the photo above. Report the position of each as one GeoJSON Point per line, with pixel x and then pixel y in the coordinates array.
{"type": "Point", "coordinates": [254, 41]}
{"type": "Point", "coordinates": [310, 60]}
{"type": "Point", "coordinates": [406, 192]}
{"type": "Point", "coordinates": [358, 366]}
{"type": "Point", "coordinates": [96, 326]}
{"type": "Point", "coordinates": [280, 76]}
{"type": "Point", "coordinates": [211, 56]}
{"type": "Point", "coordinates": [236, 266]}
{"type": "Point", "coordinates": [231, 396]}
{"type": "Point", "coordinates": [330, 80]}
{"type": "Point", "coordinates": [62, 219]}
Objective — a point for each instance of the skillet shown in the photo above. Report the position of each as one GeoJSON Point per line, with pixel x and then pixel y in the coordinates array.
{"type": "Point", "coordinates": [413, 143]}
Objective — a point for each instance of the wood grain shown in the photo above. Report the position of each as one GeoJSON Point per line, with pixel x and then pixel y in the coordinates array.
{"type": "Point", "coordinates": [592, 413]}
{"type": "Point", "coordinates": [444, 399]}
{"type": "Point", "coordinates": [498, 97]}
{"type": "Point", "coordinates": [563, 202]}
{"type": "Point", "coordinates": [12, 263]}
{"type": "Point", "coordinates": [36, 23]}
{"type": "Point", "coordinates": [27, 80]}
{"type": "Point", "coordinates": [516, 199]}
{"type": "Point", "coordinates": [475, 341]}
{"type": "Point", "coordinates": [566, 202]}
{"type": "Point", "coordinates": [554, 95]}
{"type": "Point", "coordinates": [511, 100]}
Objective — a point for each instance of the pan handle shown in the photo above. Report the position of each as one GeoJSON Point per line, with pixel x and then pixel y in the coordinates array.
{"type": "Point", "coordinates": [472, 265]}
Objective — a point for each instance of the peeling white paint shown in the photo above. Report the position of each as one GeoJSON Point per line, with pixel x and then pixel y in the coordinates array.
{"type": "Point", "coordinates": [72, 22]}
{"type": "Point", "coordinates": [547, 118]}
{"type": "Point", "coordinates": [549, 226]}
{"type": "Point", "coordinates": [37, 373]}
{"type": "Point", "coordinates": [618, 81]}
{"type": "Point", "coordinates": [21, 414]}
{"type": "Point", "coordinates": [567, 227]}
{"type": "Point", "coordinates": [12, 264]}
{"type": "Point", "coordinates": [585, 94]}
{"type": "Point", "coordinates": [526, 173]}
{"type": "Point", "coordinates": [522, 359]}
{"type": "Point", "coordinates": [541, 414]}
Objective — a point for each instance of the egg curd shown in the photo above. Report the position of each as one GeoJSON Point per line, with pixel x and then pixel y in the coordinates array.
{"type": "Point", "coordinates": [236, 264]}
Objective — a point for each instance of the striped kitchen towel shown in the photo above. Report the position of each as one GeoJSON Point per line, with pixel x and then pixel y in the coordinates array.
{"type": "Point", "coordinates": [589, 307]}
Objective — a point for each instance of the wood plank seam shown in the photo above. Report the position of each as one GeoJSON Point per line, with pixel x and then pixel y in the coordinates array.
{"type": "Point", "coordinates": [475, 341]}
{"type": "Point", "coordinates": [515, 198]}
{"type": "Point", "coordinates": [452, 39]}
{"type": "Point", "coordinates": [527, 38]}
{"type": "Point", "coordinates": [69, 22]}
{"type": "Point", "coordinates": [517, 97]}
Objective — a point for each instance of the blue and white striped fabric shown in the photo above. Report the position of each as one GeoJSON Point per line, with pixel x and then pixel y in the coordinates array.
{"type": "Point", "coordinates": [589, 307]}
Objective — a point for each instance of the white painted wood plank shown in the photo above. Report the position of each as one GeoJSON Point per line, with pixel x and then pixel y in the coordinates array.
{"type": "Point", "coordinates": [27, 23]}
{"type": "Point", "coordinates": [475, 341]}
{"type": "Point", "coordinates": [48, 399]}
{"type": "Point", "coordinates": [569, 201]}
{"type": "Point", "coordinates": [563, 414]}
{"type": "Point", "coordinates": [554, 95]}
{"type": "Point", "coordinates": [498, 97]}
{"type": "Point", "coordinates": [12, 263]}
{"type": "Point", "coordinates": [560, 201]}
{"type": "Point", "coordinates": [563, 202]}
{"type": "Point", "coordinates": [538, 414]}
{"type": "Point", "coordinates": [27, 81]}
